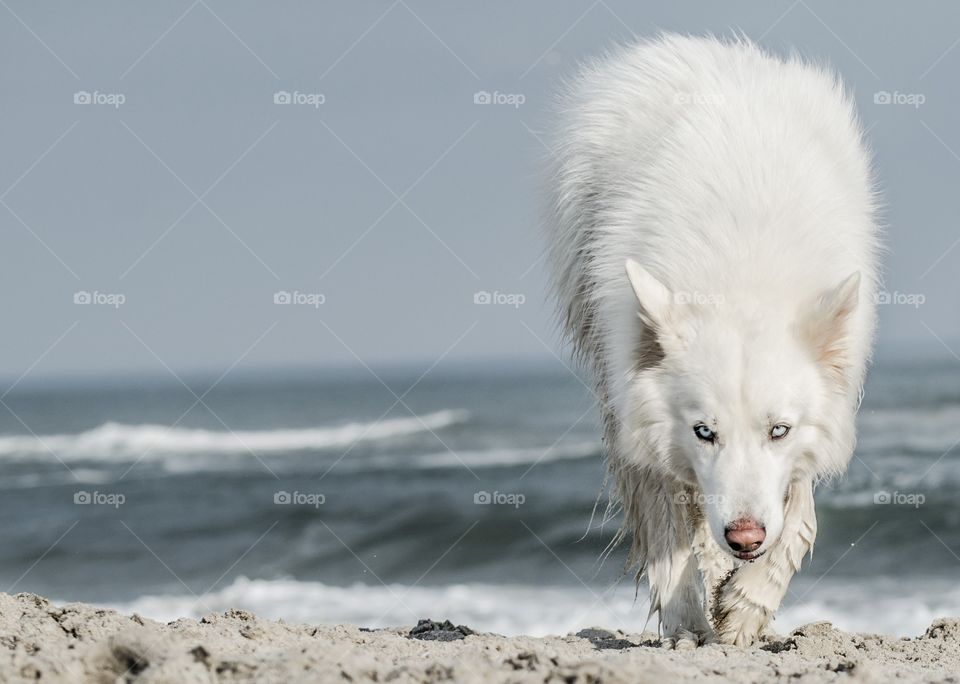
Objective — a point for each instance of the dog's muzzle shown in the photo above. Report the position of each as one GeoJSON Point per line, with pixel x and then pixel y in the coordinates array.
{"type": "Point", "coordinates": [744, 537]}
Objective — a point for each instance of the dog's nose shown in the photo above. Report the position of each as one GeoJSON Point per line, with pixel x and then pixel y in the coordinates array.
{"type": "Point", "coordinates": [745, 535]}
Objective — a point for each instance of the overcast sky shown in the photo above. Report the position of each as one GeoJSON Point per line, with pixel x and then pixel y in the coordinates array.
{"type": "Point", "coordinates": [151, 159]}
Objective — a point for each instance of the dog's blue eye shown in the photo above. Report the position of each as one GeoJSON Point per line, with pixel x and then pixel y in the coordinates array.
{"type": "Point", "coordinates": [779, 431]}
{"type": "Point", "coordinates": [704, 433]}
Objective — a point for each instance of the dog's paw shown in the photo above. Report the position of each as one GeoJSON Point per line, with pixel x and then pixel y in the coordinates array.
{"type": "Point", "coordinates": [686, 628]}
{"type": "Point", "coordinates": [742, 624]}
{"type": "Point", "coordinates": [682, 639]}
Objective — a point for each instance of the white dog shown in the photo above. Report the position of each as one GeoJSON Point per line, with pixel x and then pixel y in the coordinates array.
{"type": "Point", "coordinates": [714, 251]}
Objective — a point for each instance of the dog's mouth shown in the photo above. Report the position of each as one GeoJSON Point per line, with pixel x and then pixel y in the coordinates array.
{"type": "Point", "coordinates": [748, 555]}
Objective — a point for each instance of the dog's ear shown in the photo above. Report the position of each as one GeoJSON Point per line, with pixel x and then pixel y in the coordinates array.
{"type": "Point", "coordinates": [825, 326]}
{"type": "Point", "coordinates": [656, 301]}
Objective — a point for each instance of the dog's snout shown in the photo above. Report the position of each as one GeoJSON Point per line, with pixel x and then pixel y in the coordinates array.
{"type": "Point", "coordinates": [745, 535]}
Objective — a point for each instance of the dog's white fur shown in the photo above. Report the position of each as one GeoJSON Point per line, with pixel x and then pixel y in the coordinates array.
{"type": "Point", "coordinates": [714, 252]}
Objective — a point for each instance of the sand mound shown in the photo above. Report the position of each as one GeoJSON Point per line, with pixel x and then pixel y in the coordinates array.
{"type": "Point", "coordinates": [77, 642]}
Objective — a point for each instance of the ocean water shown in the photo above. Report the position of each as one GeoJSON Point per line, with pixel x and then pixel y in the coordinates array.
{"type": "Point", "coordinates": [324, 499]}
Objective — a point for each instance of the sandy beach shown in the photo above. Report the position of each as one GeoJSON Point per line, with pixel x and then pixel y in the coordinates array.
{"type": "Point", "coordinates": [79, 643]}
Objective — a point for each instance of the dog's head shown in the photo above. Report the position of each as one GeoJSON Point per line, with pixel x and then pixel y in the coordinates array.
{"type": "Point", "coordinates": [744, 398]}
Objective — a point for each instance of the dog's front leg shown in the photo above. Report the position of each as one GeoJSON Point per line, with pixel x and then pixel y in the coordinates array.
{"type": "Point", "coordinates": [676, 592]}
{"type": "Point", "coordinates": [658, 511]}
{"type": "Point", "coordinates": [747, 600]}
